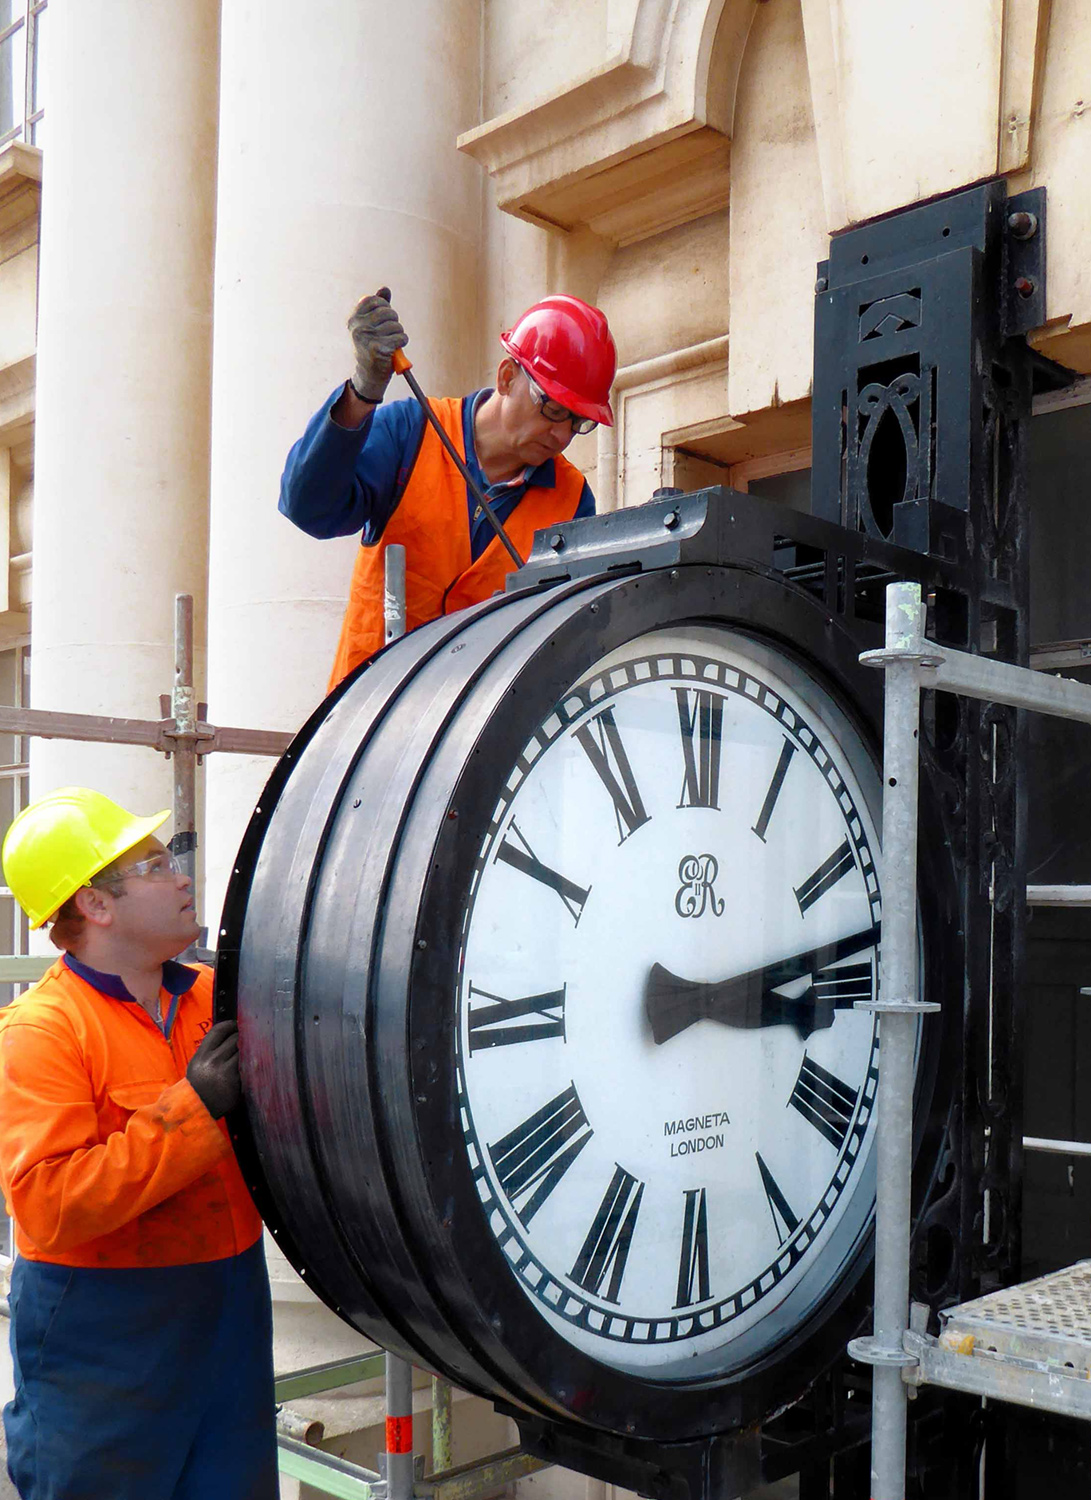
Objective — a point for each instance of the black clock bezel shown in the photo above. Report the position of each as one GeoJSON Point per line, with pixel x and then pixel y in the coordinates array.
{"type": "Point", "coordinates": [758, 604]}
{"type": "Point", "coordinates": [347, 1135]}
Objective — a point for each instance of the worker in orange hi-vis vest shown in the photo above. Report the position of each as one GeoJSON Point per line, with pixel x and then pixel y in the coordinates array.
{"type": "Point", "coordinates": [382, 471]}
{"type": "Point", "coordinates": [141, 1328]}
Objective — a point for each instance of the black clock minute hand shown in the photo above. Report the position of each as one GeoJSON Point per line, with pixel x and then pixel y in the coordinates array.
{"type": "Point", "coordinates": [749, 1000]}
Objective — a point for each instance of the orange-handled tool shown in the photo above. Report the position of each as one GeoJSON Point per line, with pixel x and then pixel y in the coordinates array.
{"type": "Point", "coordinates": [402, 366]}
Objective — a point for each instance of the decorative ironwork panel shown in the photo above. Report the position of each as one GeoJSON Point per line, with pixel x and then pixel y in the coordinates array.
{"type": "Point", "coordinates": [913, 317]}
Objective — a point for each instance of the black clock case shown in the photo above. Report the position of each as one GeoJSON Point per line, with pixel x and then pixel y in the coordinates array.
{"type": "Point", "coordinates": [339, 951]}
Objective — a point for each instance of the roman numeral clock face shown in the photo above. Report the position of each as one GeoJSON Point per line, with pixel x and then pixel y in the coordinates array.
{"type": "Point", "coordinates": [666, 1093]}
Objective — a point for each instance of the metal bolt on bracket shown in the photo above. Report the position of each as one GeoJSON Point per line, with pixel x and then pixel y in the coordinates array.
{"type": "Point", "coordinates": [1023, 225]}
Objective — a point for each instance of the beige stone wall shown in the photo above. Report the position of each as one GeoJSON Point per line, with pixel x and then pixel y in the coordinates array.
{"type": "Point", "coordinates": [689, 171]}
{"type": "Point", "coordinates": [537, 48]}
{"type": "Point", "coordinates": [777, 222]}
{"type": "Point", "coordinates": [1060, 160]}
{"type": "Point", "coordinates": [18, 299]}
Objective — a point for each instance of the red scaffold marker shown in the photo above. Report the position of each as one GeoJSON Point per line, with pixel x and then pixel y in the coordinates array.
{"type": "Point", "coordinates": [399, 1434]}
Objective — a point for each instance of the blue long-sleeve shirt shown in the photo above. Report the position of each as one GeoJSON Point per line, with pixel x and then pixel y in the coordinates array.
{"type": "Point", "coordinates": [340, 480]}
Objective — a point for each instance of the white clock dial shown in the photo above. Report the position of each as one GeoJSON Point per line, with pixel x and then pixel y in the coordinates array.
{"type": "Point", "coordinates": [666, 1092]}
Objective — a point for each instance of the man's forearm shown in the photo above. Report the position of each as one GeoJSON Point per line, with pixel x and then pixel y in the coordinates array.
{"type": "Point", "coordinates": [350, 410]}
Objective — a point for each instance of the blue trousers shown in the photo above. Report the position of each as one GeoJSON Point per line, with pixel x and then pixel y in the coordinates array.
{"type": "Point", "coordinates": [149, 1384]}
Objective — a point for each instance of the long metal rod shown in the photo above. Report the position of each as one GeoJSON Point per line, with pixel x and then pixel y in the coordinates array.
{"type": "Point", "coordinates": [994, 681]}
{"type": "Point", "coordinates": [156, 734]}
{"type": "Point", "coordinates": [329, 1376]}
{"type": "Point", "coordinates": [324, 1471]}
{"type": "Point", "coordinates": [1059, 895]}
{"type": "Point", "coordinates": [183, 703]}
{"type": "Point", "coordinates": [441, 1424]}
{"type": "Point", "coordinates": [394, 592]}
{"type": "Point", "coordinates": [337, 1476]}
{"type": "Point", "coordinates": [897, 1041]}
{"type": "Point", "coordinates": [401, 366]}
{"type": "Point", "coordinates": [1058, 1148]}
{"type": "Point", "coordinates": [399, 1428]}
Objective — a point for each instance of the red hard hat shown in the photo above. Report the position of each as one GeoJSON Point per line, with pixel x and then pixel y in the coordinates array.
{"type": "Point", "coordinates": [566, 345]}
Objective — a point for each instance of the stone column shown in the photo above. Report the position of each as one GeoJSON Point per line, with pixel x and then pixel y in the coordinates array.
{"type": "Point", "coordinates": [124, 352]}
{"type": "Point", "coordinates": [338, 174]}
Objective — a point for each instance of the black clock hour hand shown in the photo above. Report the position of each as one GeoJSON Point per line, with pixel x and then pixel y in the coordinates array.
{"type": "Point", "coordinates": [750, 1000]}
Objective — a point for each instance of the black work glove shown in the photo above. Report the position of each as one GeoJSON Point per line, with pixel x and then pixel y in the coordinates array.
{"type": "Point", "coordinates": [213, 1070]}
{"type": "Point", "coordinates": [376, 333]}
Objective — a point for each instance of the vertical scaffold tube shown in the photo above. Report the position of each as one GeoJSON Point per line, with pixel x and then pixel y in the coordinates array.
{"type": "Point", "coordinates": [441, 1424]}
{"type": "Point", "coordinates": [394, 591]}
{"type": "Point", "coordinates": [899, 1016]}
{"type": "Point", "coordinates": [184, 758]}
{"type": "Point", "coordinates": [184, 711]}
{"type": "Point", "coordinates": [399, 1428]}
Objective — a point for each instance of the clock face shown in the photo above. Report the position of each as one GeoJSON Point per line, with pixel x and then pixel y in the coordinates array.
{"type": "Point", "coordinates": [666, 1093]}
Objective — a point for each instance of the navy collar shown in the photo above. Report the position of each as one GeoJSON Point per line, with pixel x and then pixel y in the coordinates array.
{"type": "Point", "coordinates": [177, 980]}
{"type": "Point", "coordinates": [544, 477]}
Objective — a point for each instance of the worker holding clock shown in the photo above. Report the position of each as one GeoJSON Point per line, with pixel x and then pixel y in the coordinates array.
{"type": "Point", "coordinates": [141, 1329]}
{"type": "Point", "coordinates": [382, 471]}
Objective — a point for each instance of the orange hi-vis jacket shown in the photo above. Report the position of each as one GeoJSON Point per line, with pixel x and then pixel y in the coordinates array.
{"type": "Point", "coordinates": [432, 524]}
{"type": "Point", "coordinates": [107, 1155]}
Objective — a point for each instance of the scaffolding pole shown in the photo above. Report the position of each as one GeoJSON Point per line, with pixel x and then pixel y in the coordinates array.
{"type": "Point", "coordinates": [899, 1009]}
{"type": "Point", "coordinates": [184, 757]}
{"type": "Point", "coordinates": [181, 734]}
{"type": "Point", "coordinates": [911, 662]}
{"type": "Point", "coordinates": [399, 1428]}
{"type": "Point", "coordinates": [441, 1424]}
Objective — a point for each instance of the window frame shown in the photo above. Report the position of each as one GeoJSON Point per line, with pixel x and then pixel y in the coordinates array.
{"type": "Point", "coordinates": [32, 113]}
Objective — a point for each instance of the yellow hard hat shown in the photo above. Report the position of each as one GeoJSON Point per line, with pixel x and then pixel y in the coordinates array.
{"type": "Point", "coordinates": [56, 844]}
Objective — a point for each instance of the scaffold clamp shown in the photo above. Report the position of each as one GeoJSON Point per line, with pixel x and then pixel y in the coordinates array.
{"type": "Point", "coordinates": [869, 1351]}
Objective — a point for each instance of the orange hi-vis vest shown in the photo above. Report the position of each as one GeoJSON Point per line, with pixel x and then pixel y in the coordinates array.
{"type": "Point", "coordinates": [432, 524]}
{"type": "Point", "coordinates": [107, 1155]}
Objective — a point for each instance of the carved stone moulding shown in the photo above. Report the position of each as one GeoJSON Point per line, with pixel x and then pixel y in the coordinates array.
{"type": "Point", "coordinates": [637, 144]}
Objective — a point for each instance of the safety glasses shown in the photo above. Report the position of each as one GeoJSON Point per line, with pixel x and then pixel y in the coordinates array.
{"type": "Point", "coordinates": [553, 411]}
{"type": "Point", "coordinates": [163, 866]}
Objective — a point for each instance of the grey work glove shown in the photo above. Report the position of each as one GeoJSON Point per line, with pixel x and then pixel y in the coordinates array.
{"type": "Point", "coordinates": [376, 333]}
{"type": "Point", "coordinates": [213, 1070]}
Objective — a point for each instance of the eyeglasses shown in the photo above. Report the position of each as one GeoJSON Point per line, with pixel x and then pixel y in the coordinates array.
{"type": "Point", "coordinates": [553, 411]}
{"type": "Point", "coordinates": [163, 866]}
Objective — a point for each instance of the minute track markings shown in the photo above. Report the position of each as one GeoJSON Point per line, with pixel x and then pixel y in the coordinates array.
{"type": "Point", "coordinates": [667, 667]}
{"type": "Point", "coordinates": [551, 1285]}
{"type": "Point", "coordinates": [557, 1296]}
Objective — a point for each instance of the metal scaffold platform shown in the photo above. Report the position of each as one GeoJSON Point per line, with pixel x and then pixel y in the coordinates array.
{"type": "Point", "coordinates": [1028, 1344]}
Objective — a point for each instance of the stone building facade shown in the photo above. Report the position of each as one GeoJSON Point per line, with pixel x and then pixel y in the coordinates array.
{"type": "Point", "coordinates": [217, 182]}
